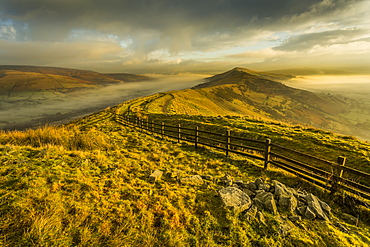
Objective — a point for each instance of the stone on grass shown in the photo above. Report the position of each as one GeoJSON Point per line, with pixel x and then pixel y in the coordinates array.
{"type": "Point", "coordinates": [281, 189]}
{"type": "Point", "coordinates": [235, 199]}
{"type": "Point", "coordinates": [155, 176]}
{"type": "Point", "coordinates": [309, 214]}
{"type": "Point", "coordinates": [314, 204]}
{"type": "Point", "coordinates": [265, 200]}
{"type": "Point", "coordinates": [192, 180]}
{"type": "Point", "coordinates": [288, 203]}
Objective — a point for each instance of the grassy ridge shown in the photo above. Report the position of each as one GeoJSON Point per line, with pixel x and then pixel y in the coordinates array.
{"type": "Point", "coordinates": [86, 184]}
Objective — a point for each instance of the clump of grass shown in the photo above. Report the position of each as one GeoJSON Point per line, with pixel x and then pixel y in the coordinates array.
{"type": "Point", "coordinates": [70, 137]}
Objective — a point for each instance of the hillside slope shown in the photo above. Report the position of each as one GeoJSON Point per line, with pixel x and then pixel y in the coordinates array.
{"type": "Point", "coordinates": [240, 92]}
{"type": "Point", "coordinates": [22, 79]}
{"type": "Point", "coordinates": [87, 184]}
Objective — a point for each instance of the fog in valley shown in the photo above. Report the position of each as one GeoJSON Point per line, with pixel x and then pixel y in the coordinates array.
{"type": "Point", "coordinates": [20, 111]}
{"type": "Point", "coordinates": [354, 90]}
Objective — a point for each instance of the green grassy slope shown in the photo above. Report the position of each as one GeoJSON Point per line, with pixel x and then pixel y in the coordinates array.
{"type": "Point", "coordinates": [87, 184]}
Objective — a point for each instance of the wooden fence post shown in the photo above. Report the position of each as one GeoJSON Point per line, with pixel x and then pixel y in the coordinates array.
{"type": "Point", "coordinates": [179, 133]}
{"type": "Point", "coordinates": [147, 124]}
{"type": "Point", "coordinates": [338, 174]}
{"type": "Point", "coordinates": [162, 129]}
{"type": "Point", "coordinates": [196, 137]}
{"type": "Point", "coordinates": [152, 126]}
{"type": "Point", "coordinates": [227, 142]}
{"type": "Point", "coordinates": [267, 153]}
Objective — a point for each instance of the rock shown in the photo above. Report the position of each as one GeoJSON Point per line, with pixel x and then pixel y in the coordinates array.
{"type": "Point", "coordinates": [251, 213]}
{"type": "Point", "coordinates": [325, 207]}
{"type": "Point", "coordinates": [248, 192]}
{"type": "Point", "coordinates": [350, 219]}
{"type": "Point", "coordinates": [302, 210]}
{"type": "Point", "coordinates": [309, 214]}
{"type": "Point", "coordinates": [265, 187]}
{"type": "Point", "coordinates": [235, 198]}
{"type": "Point", "coordinates": [251, 186]}
{"type": "Point", "coordinates": [288, 203]}
{"type": "Point", "coordinates": [192, 180]}
{"type": "Point", "coordinates": [155, 176]}
{"type": "Point", "coordinates": [281, 189]}
{"type": "Point", "coordinates": [266, 201]}
{"type": "Point", "coordinates": [314, 205]}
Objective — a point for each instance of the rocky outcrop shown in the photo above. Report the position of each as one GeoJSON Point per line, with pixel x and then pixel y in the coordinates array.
{"type": "Point", "coordinates": [277, 198]}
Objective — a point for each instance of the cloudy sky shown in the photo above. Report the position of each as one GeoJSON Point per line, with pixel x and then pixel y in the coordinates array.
{"type": "Point", "coordinates": [173, 36]}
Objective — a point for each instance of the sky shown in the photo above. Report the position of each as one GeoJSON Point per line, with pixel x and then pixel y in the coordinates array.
{"type": "Point", "coordinates": [186, 36]}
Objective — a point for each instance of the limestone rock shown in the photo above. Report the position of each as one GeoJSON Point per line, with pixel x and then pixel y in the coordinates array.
{"type": "Point", "coordinates": [314, 205]}
{"type": "Point", "coordinates": [281, 189]}
{"type": "Point", "coordinates": [288, 203]}
{"type": "Point", "coordinates": [325, 207]}
{"type": "Point", "coordinates": [235, 198]}
{"type": "Point", "coordinates": [155, 176]}
{"type": "Point", "coordinates": [192, 180]}
{"type": "Point", "coordinates": [264, 186]}
{"type": "Point", "coordinates": [266, 201]}
{"type": "Point", "coordinates": [309, 214]}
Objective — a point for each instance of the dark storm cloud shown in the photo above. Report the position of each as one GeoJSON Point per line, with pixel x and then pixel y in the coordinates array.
{"type": "Point", "coordinates": [54, 19]}
{"type": "Point", "coordinates": [140, 33]}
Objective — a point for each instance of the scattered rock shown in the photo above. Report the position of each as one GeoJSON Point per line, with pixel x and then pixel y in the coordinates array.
{"type": "Point", "coordinates": [309, 214]}
{"type": "Point", "coordinates": [155, 176]}
{"type": "Point", "coordinates": [288, 203]}
{"type": "Point", "coordinates": [281, 189]}
{"type": "Point", "coordinates": [235, 198]}
{"type": "Point", "coordinates": [192, 180]}
{"type": "Point", "coordinates": [266, 201]}
{"type": "Point", "coordinates": [264, 186]}
{"type": "Point", "coordinates": [315, 206]}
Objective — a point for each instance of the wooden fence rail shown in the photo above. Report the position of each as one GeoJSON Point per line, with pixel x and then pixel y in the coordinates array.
{"type": "Point", "coordinates": [332, 176]}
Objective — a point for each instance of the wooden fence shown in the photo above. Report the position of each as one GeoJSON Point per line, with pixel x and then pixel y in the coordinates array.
{"type": "Point", "coordinates": [332, 176]}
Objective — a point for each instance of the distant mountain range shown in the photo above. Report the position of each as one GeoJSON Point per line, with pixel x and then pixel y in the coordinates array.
{"type": "Point", "coordinates": [15, 79]}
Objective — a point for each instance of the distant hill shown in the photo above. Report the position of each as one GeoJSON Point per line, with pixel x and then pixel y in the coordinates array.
{"type": "Point", "coordinates": [128, 77]}
{"type": "Point", "coordinates": [15, 78]}
{"type": "Point", "coordinates": [240, 92]}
